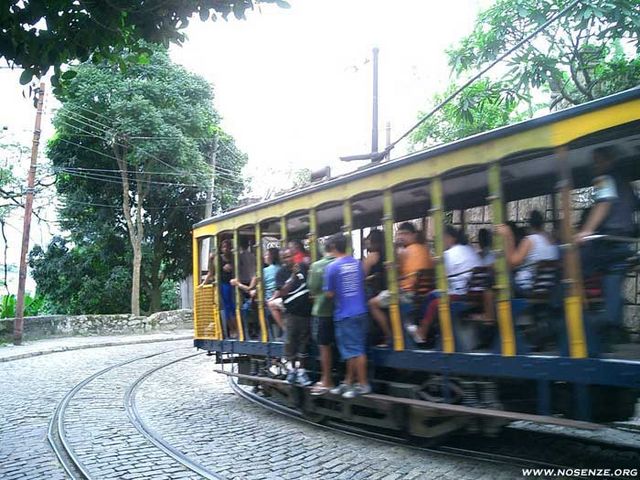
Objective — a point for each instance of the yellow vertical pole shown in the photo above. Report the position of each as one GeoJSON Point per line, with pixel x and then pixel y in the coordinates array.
{"type": "Point", "coordinates": [264, 337]}
{"type": "Point", "coordinates": [236, 272]}
{"type": "Point", "coordinates": [218, 334]}
{"type": "Point", "coordinates": [196, 281]}
{"type": "Point", "coordinates": [313, 234]}
{"type": "Point", "coordinates": [283, 232]}
{"type": "Point", "coordinates": [392, 274]}
{"type": "Point", "coordinates": [347, 218]}
{"type": "Point", "coordinates": [572, 272]}
{"type": "Point", "coordinates": [444, 311]}
{"type": "Point", "coordinates": [503, 283]}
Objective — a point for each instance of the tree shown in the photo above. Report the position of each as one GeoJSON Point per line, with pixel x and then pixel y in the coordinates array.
{"type": "Point", "coordinates": [482, 106]}
{"type": "Point", "coordinates": [39, 34]}
{"type": "Point", "coordinates": [130, 153]}
{"type": "Point", "coordinates": [85, 278]}
{"type": "Point", "coordinates": [587, 53]}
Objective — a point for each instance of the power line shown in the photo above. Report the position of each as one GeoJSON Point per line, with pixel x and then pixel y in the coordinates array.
{"type": "Point", "coordinates": [119, 207]}
{"type": "Point", "coordinates": [478, 75]}
{"type": "Point", "coordinates": [228, 175]}
{"type": "Point", "coordinates": [114, 179]}
{"type": "Point", "coordinates": [120, 144]}
{"type": "Point", "coordinates": [152, 137]}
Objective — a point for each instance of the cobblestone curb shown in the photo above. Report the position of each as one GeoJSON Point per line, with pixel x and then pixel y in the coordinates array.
{"type": "Point", "coordinates": [98, 344]}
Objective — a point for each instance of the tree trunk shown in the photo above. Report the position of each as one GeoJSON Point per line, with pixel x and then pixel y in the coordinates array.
{"type": "Point", "coordinates": [156, 299]}
{"type": "Point", "coordinates": [136, 230]}
{"type": "Point", "coordinates": [135, 280]}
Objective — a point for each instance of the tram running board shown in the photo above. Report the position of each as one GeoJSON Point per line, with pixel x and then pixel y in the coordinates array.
{"type": "Point", "coordinates": [447, 407]}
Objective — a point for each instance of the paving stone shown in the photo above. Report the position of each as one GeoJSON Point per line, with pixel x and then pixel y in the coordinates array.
{"type": "Point", "coordinates": [195, 410]}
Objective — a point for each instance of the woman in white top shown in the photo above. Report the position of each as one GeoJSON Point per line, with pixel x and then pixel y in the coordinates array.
{"type": "Point", "coordinates": [535, 247]}
{"type": "Point", "coordinates": [459, 261]}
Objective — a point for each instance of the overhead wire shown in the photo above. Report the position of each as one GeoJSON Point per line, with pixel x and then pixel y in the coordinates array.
{"type": "Point", "coordinates": [228, 175]}
{"type": "Point", "coordinates": [221, 139]}
{"type": "Point", "coordinates": [438, 107]}
{"type": "Point", "coordinates": [232, 175]}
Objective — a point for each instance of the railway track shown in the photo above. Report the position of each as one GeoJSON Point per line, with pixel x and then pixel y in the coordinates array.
{"type": "Point", "coordinates": [465, 450]}
{"type": "Point", "coordinates": [61, 443]}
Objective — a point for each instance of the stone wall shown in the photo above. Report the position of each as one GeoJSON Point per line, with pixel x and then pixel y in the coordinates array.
{"type": "Point", "coordinates": [68, 325]}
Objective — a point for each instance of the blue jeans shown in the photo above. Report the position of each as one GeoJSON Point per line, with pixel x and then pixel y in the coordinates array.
{"type": "Point", "coordinates": [608, 258]}
{"type": "Point", "coordinates": [228, 302]}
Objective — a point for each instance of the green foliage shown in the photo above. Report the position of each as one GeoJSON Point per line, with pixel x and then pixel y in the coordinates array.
{"type": "Point", "coordinates": [83, 279]}
{"type": "Point", "coordinates": [8, 306]}
{"type": "Point", "coordinates": [160, 118]}
{"type": "Point", "coordinates": [80, 30]}
{"type": "Point", "coordinates": [484, 105]}
{"type": "Point", "coordinates": [589, 53]}
{"type": "Point", "coordinates": [586, 54]}
{"type": "Point", "coordinates": [32, 306]}
{"type": "Point", "coordinates": [170, 295]}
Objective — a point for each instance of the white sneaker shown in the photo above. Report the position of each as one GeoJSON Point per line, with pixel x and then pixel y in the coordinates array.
{"type": "Point", "coordinates": [340, 389]}
{"type": "Point", "coordinates": [356, 391]}
{"type": "Point", "coordinates": [413, 331]}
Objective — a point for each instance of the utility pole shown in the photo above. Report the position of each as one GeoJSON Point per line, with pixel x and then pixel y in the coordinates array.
{"type": "Point", "coordinates": [374, 126]}
{"type": "Point", "coordinates": [208, 207]}
{"type": "Point", "coordinates": [18, 324]}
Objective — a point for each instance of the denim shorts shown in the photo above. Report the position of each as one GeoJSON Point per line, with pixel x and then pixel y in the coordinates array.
{"type": "Point", "coordinates": [351, 336]}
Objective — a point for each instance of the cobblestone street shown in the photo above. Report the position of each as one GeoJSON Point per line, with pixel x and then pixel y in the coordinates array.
{"type": "Point", "coordinates": [194, 410]}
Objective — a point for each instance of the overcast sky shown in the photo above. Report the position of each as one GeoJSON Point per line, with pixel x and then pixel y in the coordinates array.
{"type": "Point", "coordinates": [294, 85]}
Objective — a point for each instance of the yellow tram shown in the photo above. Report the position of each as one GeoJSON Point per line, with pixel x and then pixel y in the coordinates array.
{"type": "Point", "coordinates": [543, 156]}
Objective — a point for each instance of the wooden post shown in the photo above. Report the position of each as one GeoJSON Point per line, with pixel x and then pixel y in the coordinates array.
{"type": "Point", "coordinates": [572, 271]}
{"type": "Point", "coordinates": [264, 334]}
{"type": "Point", "coordinates": [18, 324]}
{"type": "Point", "coordinates": [392, 274]}
{"type": "Point", "coordinates": [236, 273]}
{"type": "Point", "coordinates": [197, 269]}
{"type": "Point", "coordinates": [503, 282]}
{"type": "Point", "coordinates": [217, 318]}
{"type": "Point", "coordinates": [283, 232]}
{"type": "Point", "coordinates": [313, 234]}
{"type": "Point", "coordinates": [347, 218]}
{"type": "Point", "coordinates": [444, 311]}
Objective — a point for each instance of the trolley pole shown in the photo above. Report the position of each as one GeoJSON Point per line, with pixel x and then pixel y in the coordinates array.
{"type": "Point", "coordinates": [374, 126]}
{"type": "Point", "coordinates": [388, 142]}
{"type": "Point", "coordinates": [18, 324]}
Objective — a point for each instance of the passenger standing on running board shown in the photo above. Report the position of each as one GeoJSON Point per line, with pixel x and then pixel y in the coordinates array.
{"type": "Point", "coordinates": [344, 283]}
{"type": "Point", "coordinates": [291, 285]}
{"type": "Point", "coordinates": [322, 313]}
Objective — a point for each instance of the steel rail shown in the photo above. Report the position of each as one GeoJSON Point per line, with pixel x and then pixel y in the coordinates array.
{"type": "Point", "coordinates": [152, 436]}
{"type": "Point", "coordinates": [367, 434]}
{"type": "Point", "coordinates": [56, 433]}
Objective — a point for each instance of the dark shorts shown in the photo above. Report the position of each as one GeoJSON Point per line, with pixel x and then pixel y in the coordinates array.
{"type": "Point", "coordinates": [324, 330]}
{"type": "Point", "coordinates": [298, 336]}
{"type": "Point", "coordinates": [351, 336]}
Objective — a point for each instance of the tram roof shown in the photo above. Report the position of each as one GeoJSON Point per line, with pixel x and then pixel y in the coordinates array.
{"type": "Point", "coordinates": [535, 135]}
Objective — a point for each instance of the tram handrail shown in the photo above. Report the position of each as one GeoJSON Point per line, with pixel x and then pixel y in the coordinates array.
{"type": "Point", "coordinates": [612, 238]}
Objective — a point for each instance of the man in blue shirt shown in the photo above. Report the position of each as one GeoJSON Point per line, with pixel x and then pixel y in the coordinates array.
{"type": "Point", "coordinates": [344, 283]}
